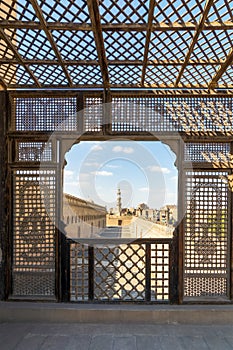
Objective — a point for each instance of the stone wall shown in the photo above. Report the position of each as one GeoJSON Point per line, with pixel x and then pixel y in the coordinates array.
{"type": "Point", "coordinates": [82, 218]}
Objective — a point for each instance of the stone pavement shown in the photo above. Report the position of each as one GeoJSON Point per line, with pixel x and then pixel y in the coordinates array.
{"type": "Point", "coordinates": [90, 336]}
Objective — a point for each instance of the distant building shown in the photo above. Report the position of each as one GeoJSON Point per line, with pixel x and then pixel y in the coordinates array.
{"type": "Point", "coordinates": [142, 206]}
{"type": "Point", "coordinates": [118, 202]}
{"type": "Point", "coordinates": [149, 214]}
{"type": "Point", "coordinates": [118, 210]}
{"type": "Point", "coordinates": [168, 214]}
{"type": "Point", "coordinates": [82, 218]}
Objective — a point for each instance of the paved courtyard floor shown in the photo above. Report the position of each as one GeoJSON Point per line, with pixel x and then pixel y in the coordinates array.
{"type": "Point", "coordinates": [86, 336]}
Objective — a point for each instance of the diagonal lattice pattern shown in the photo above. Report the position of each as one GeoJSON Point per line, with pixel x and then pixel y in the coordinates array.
{"type": "Point", "coordinates": [64, 11]}
{"type": "Point", "coordinates": [120, 272]}
{"type": "Point", "coordinates": [169, 45]}
{"type": "Point", "coordinates": [178, 11]}
{"type": "Point", "coordinates": [122, 43]}
{"type": "Point", "coordinates": [34, 45]}
{"type": "Point", "coordinates": [213, 45]}
{"type": "Point", "coordinates": [76, 45]}
{"type": "Point", "coordinates": [221, 11]}
{"type": "Point", "coordinates": [124, 11]}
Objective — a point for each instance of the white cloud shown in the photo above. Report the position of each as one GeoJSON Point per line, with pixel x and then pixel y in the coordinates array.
{"type": "Point", "coordinates": [158, 169]}
{"type": "Point", "coordinates": [126, 150]}
{"type": "Point", "coordinates": [68, 173]}
{"type": "Point", "coordinates": [91, 164]}
{"type": "Point", "coordinates": [102, 173]}
{"type": "Point", "coordinates": [96, 148]}
{"type": "Point", "coordinates": [113, 166]}
{"type": "Point", "coordinates": [143, 189]}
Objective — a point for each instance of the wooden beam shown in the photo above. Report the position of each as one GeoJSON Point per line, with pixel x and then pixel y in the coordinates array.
{"type": "Point", "coordinates": [3, 85]}
{"type": "Point", "coordinates": [99, 40]}
{"type": "Point", "coordinates": [5, 207]}
{"type": "Point", "coordinates": [148, 36]}
{"type": "Point", "coordinates": [125, 27]}
{"type": "Point", "coordinates": [208, 6]}
{"type": "Point", "coordinates": [50, 39]}
{"type": "Point", "coordinates": [222, 70]}
{"type": "Point", "coordinates": [9, 24]}
{"type": "Point", "coordinates": [114, 62]}
{"type": "Point", "coordinates": [18, 56]}
{"type": "Point", "coordinates": [125, 86]}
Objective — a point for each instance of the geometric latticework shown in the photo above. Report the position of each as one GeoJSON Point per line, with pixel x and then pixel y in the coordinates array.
{"type": "Point", "coordinates": [199, 116]}
{"type": "Point", "coordinates": [93, 114]}
{"type": "Point", "coordinates": [29, 114]}
{"type": "Point", "coordinates": [175, 44]}
{"type": "Point", "coordinates": [125, 272]}
{"type": "Point", "coordinates": [119, 273]}
{"type": "Point", "coordinates": [205, 286]}
{"type": "Point", "coordinates": [79, 277]}
{"type": "Point", "coordinates": [206, 240]}
{"type": "Point", "coordinates": [33, 151]}
{"type": "Point", "coordinates": [193, 152]}
{"type": "Point", "coordinates": [160, 272]}
{"type": "Point", "coordinates": [194, 116]}
{"type": "Point", "coordinates": [33, 266]}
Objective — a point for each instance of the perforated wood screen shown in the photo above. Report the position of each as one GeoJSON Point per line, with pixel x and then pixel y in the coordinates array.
{"type": "Point", "coordinates": [33, 151]}
{"type": "Point", "coordinates": [125, 272]}
{"type": "Point", "coordinates": [44, 114]}
{"type": "Point", "coordinates": [206, 240]}
{"type": "Point", "coordinates": [131, 113]}
{"type": "Point", "coordinates": [194, 151]}
{"type": "Point", "coordinates": [128, 272]}
{"type": "Point", "coordinates": [33, 266]}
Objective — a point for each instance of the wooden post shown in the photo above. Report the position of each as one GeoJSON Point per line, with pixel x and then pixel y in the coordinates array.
{"type": "Point", "coordinates": [231, 238]}
{"type": "Point", "coordinates": [91, 273]}
{"type": "Point", "coordinates": [179, 237]}
{"type": "Point", "coordinates": [107, 113]}
{"type": "Point", "coordinates": [148, 272]}
{"type": "Point", "coordinates": [3, 231]}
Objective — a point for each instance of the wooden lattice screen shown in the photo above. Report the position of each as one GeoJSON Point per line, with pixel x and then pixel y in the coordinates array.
{"type": "Point", "coordinates": [33, 267]}
{"type": "Point", "coordinates": [204, 267]}
{"type": "Point", "coordinates": [125, 272]}
{"type": "Point", "coordinates": [206, 241]}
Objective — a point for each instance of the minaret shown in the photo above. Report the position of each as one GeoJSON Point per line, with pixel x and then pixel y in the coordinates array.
{"type": "Point", "coordinates": [119, 202]}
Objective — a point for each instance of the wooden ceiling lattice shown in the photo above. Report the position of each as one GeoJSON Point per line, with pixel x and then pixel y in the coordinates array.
{"type": "Point", "coordinates": [163, 44]}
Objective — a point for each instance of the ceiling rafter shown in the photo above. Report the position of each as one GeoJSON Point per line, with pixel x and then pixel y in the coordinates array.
{"type": "Point", "coordinates": [199, 29]}
{"type": "Point", "coordinates": [99, 40]}
{"type": "Point", "coordinates": [127, 27]}
{"type": "Point", "coordinates": [89, 44]}
{"type": "Point", "coordinates": [222, 70]}
{"type": "Point", "coordinates": [43, 23]}
{"type": "Point", "coordinates": [148, 36]}
{"type": "Point", "coordinates": [163, 88]}
{"type": "Point", "coordinates": [3, 85]}
{"type": "Point", "coordinates": [114, 62]}
{"type": "Point", "coordinates": [18, 56]}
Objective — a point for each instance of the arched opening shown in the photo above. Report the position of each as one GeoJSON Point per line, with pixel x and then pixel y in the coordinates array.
{"type": "Point", "coordinates": [134, 184]}
{"type": "Point", "coordinates": [131, 188]}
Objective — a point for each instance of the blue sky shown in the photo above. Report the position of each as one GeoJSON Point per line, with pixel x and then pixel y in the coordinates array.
{"type": "Point", "coordinates": [144, 171]}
